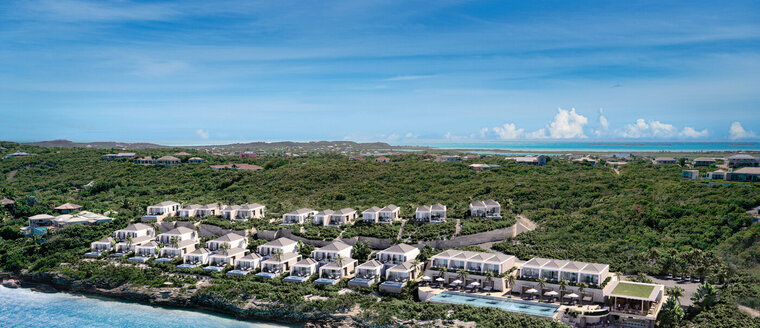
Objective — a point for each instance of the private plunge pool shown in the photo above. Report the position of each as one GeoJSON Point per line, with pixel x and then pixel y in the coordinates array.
{"type": "Point", "coordinates": [525, 307]}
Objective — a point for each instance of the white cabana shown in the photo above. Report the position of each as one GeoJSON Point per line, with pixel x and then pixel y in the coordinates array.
{"type": "Point", "coordinates": [571, 295]}
{"type": "Point", "coordinates": [456, 282]}
{"type": "Point", "coordinates": [551, 293]}
{"type": "Point", "coordinates": [475, 283]}
{"type": "Point", "coordinates": [425, 278]}
{"type": "Point", "coordinates": [531, 291]}
{"type": "Point", "coordinates": [439, 279]}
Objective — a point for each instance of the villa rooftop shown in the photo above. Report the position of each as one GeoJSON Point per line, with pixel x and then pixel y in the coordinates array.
{"type": "Point", "coordinates": [635, 290]}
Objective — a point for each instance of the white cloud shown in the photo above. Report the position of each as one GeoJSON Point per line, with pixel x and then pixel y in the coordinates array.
{"type": "Point", "coordinates": [690, 132]}
{"type": "Point", "coordinates": [538, 134]}
{"type": "Point", "coordinates": [507, 131]}
{"type": "Point", "coordinates": [410, 135]}
{"type": "Point", "coordinates": [447, 135]}
{"type": "Point", "coordinates": [567, 124]}
{"type": "Point", "coordinates": [651, 129]}
{"type": "Point", "coordinates": [201, 133]}
{"type": "Point", "coordinates": [737, 131]}
{"type": "Point", "coordinates": [605, 125]}
{"type": "Point", "coordinates": [483, 132]}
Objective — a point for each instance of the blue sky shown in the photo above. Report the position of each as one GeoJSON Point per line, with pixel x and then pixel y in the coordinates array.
{"type": "Point", "coordinates": [218, 71]}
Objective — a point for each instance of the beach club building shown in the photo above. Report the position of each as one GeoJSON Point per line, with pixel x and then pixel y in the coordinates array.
{"type": "Point", "coordinates": [634, 304]}
{"type": "Point", "coordinates": [574, 272]}
{"type": "Point", "coordinates": [477, 265]}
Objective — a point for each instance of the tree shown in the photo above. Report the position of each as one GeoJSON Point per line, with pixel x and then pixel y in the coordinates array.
{"type": "Point", "coordinates": [676, 292]}
{"type": "Point", "coordinates": [304, 249]}
{"type": "Point", "coordinates": [462, 274]}
{"type": "Point", "coordinates": [224, 248]}
{"type": "Point", "coordinates": [416, 264]}
{"type": "Point", "coordinates": [562, 287]}
{"type": "Point", "coordinates": [489, 276]}
{"type": "Point", "coordinates": [441, 270]}
{"type": "Point", "coordinates": [277, 254]}
{"type": "Point", "coordinates": [361, 251]}
{"type": "Point", "coordinates": [706, 295]}
{"type": "Point", "coordinates": [581, 288]}
{"type": "Point", "coordinates": [671, 313]}
{"type": "Point", "coordinates": [511, 280]}
{"type": "Point", "coordinates": [541, 284]}
{"type": "Point", "coordinates": [174, 241]}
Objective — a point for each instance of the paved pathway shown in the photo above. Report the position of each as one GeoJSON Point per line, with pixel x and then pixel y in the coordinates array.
{"type": "Point", "coordinates": [458, 228]}
{"type": "Point", "coordinates": [400, 231]}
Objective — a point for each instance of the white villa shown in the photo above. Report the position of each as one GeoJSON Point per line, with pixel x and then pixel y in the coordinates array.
{"type": "Point", "coordinates": [197, 257]}
{"type": "Point", "coordinates": [336, 271]}
{"type": "Point", "coordinates": [41, 220]}
{"type": "Point", "coordinates": [100, 246]}
{"type": "Point", "coordinates": [690, 174]}
{"type": "Point", "coordinates": [305, 268]}
{"type": "Point", "coordinates": [402, 272]}
{"type": "Point", "coordinates": [485, 209]}
{"type": "Point", "coordinates": [168, 161]}
{"type": "Point", "coordinates": [344, 216]}
{"type": "Point", "coordinates": [282, 244]}
{"type": "Point", "coordinates": [189, 211]}
{"type": "Point", "coordinates": [179, 249]}
{"type": "Point", "coordinates": [250, 211]}
{"type": "Point", "coordinates": [434, 213]}
{"type": "Point", "coordinates": [322, 218]}
{"type": "Point", "coordinates": [208, 210]}
{"type": "Point", "coordinates": [397, 254]}
{"type": "Point", "coordinates": [742, 160]}
{"type": "Point", "coordinates": [232, 239]}
{"type": "Point", "coordinates": [331, 251]}
{"type": "Point", "coordinates": [389, 214]}
{"type": "Point", "coordinates": [230, 211]}
{"type": "Point", "coordinates": [227, 258]}
{"type": "Point", "coordinates": [539, 160]}
{"type": "Point", "coordinates": [703, 161]}
{"type": "Point", "coordinates": [717, 175]}
{"type": "Point", "coordinates": [127, 245]}
{"type": "Point", "coordinates": [83, 217]}
{"type": "Point", "coordinates": [134, 230]}
{"type": "Point", "coordinates": [476, 263]}
{"type": "Point", "coordinates": [249, 262]}
{"type": "Point", "coordinates": [298, 216]}
{"type": "Point", "coordinates": [367, 274]}
{"type": "Point", "coordinates": [161, 210]}
{"type": "Point", "coordinates": [148, 249]}
{"type": "Point", "coordinates": [371, 214]}
{"type": "Point", "coordinates": [278, 265]}
{"type": "Point", "coordinates": [177, 234]}
{"type": "Point", "coordinates": [664, 161]}
{"type": "Point", "coordinates": [196, 210]}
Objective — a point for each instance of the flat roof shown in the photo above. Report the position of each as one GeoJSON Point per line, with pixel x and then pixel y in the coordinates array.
{"type": "Point", "coordinates": [635, 290]}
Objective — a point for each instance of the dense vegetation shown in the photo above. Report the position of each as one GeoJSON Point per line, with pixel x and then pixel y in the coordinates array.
{"type": "Point", "coordinates": [645, 220]}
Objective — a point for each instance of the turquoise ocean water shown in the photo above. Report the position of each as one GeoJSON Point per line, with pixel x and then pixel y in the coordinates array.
{"type": "Point", "coordinates": [596, 146]}
{"type": "Point", "coordinates": [25, 308]}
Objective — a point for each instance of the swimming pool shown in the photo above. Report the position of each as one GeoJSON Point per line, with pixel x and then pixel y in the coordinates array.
{"type": "Point", "coordinates": [396, 284]}
{"type": "Point", "coordinates": [532, 308]}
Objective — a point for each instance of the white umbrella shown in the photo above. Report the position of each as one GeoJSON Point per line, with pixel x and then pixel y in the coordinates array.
{"type": "Point", "coordinates": [572, 295]}
{"type": "Point", "coordinates": [456, 282]}
{"type": "Point", "coordinates": [425, 278]}
{"type": "Point", "coordinates": [475, 283]}
{"type": "Point", "coordinates": [551, 293]}
{"type": "Point", "coordinates": [531, 291]}
{"type": "Point", "coordinates": [439, 279]}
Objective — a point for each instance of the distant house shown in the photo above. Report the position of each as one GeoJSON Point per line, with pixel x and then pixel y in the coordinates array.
{"type": "Point", "coordinates": [539, 160]}
{"type": "Point", "coordinates": [247, 167]}
{"type": "Point", "coordinates": [341, 217]}
{"type": "Point", "coordinates": [249, 155]}
{"type": "Point", "coordinates": [250, 211]}
{"type": "Point", "coordinates": [470, 157]}
{"type": "Point", "coordinates": [485, 209]}
{"type": "Point", "coordinates": [717, 175]}
{"type": "Point", "coordinates": [41, 220]}
{"type": "Point", "coordinates": [119, 156]}
{"type": "Point", "coordinates": [283, 245]}
{"type": "Point", "coordinates": [690, 174]}
{"type": "Point", "coordinates": [357, 158]}
{"type": "Point", "coordinates": [196, 257]}
{"type": "Point", "coordinates": [703, 161]}
{"type": "Point", "coordinates": [168, 161]}
{"type": "Point", "coordinates": [383, 159]}
{"type": "Point", "coordinates": [147, 160]}
{"type": "Point", "coordinates": [745, 174]}
{"type": "Point", "coordinates": [195, 160]}
{"type": "Point", "coordinates": [7, 202]}
{"type": "Point", "coordinates": [389, 214]}
{"type": "Point", "coordinates": [434, 213]}
{"type": "Point", "coordinates": [298, 216]}
{"type": "Point", "coordinates": [133, 231]}
{"type": "Point", "coordinates": [322, 218]}
{"type": "Point", "coordinates": [484, 167]}
{"type": "Point", "coordinates": [68, 208]}
{"type": "Point", "coordinates": [742, 160]}
{"type": "Point", "coordinates": [447, 158]}
{"type": "Point", "coordinates": [664, 161]}
{"type": "Point", "coordinates": [161, 210]}
{"type": "Point", "coordinates": [232, 239]}
{"type": "Point", "coordinates": [371, 214]}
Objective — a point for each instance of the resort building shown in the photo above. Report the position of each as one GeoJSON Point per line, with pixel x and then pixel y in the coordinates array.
{"type": "Point", "coordinates": [229, 212]}
{"type": "Point", "coordinates": [741, 160]}
{"type": "Point", "coordinates": [149, 249]}
{"type": "Point", "coordinates": [232, 239]}
{"type": "Point", "coordinates": [208, 210]}
{"type": "Point", "coordinates": [434, 213]}
{"type": "Point", "coordinates": [322, 218]}
{"type": "Point", "coordinates": [397, 254]}
{"type": "Point", "coordinates": [444, 265]}
{"type": "Point", "coordinates": [344, 216]}
{"type": "Point", "coordinates": [83, 217]}
{"type": "Point", "coordinates": [397, 276]}
{"type": "Point", "coordinates": [539, 160]}
{"type": "Point", "coordinates": [282, 244]}
{"type": "Point", "coordinates": [178, 248]}
{"type": "Point", "coordinates": [250, 211]}
{"type": "Point", "coordinates": [367, 274]}
{"type": "Point", "coordinates": [161, 210]}
{"type": "Point", "coordinates": [276, 265]}
{"type": "Point", "coordinates": [134, 230]}
{"type": "Point", "coordinates": [147, 160]}
{"type": "Point", "coordinates": [484, 167]}
{"type": "Point", "coordinates": [389, 214]}
{"type": "Point", "coordinates": [485, 209]}
{"type": "Point", "coordinates": [168, 161]}
{"type": "Point", "coordinates": [222, 258]}
{"type": "Point", "coordinates": [176, 235]}
{"type": "Point", "coordinates": [119, 155]}
{"type": "Point", "coordinates": [68, 208]}
{"type": "Point", "coordinates": [100, 246]}
{"type": "Point", "coordinates": [249, 262]}
{"type": "Point", "coordinates": [703, 161]}
{"type": "Point", "coordinates": [195, 160]}
{"type": "Point", "coordinates": [717, 175]}
{"type": "Point", "coordinates": [664, 161]}
{"type": "Point", "coordinates": [634, 304]}
{"type": "Point", "coordinates": [129, 244]}
{"type": "Point", "coordinates": [332, 251]}
{"type": "Point", "coordinates": [745, 174]}
{"type": "Point", "coordinates": [197, 257]}
{"type": "Point", "coordinates": [303, 270]}
{"type": "Point", "coordinates": [447, 158]}
{"type": "Point", "coordinates": [41, 220]}
{"type": "Point", "coordinates": [574, 272]}
{"type": "Point", "coordinates": [189, 211]}
{"type": "Point", "coordinates": [690, 174]}
{"type": "Point", "coordinates": [371, 214]}
{"type": "Point", "coordinates": [333, 272]}
{"type": "Point", "coordinates": [298, 216]}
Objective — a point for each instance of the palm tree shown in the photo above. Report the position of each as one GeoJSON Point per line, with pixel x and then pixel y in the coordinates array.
{"type": "Point", "coordinates": [129, 242]}
{"type": "Point", "coordinates": [416, 263]}
{"type": "Point", "coordinates": [676, 292]}
{"type": "Point", "coordinates": [581, 288]}
{"type": "Point", "coordinates": [277, 254]}
{"type": "Point", "coordinates": [462, 274]}
{"type": "Point", "coordinates": [441, 270]}
{"type": "Point", "coordinates": [541, 284]}
{"type": "Point", "coordinates": [174, 242]}
{"type": "Point", "coordinates": [489, 276]}
{"type": "Point", "coordinates": [224, 248]}
{"type": "Point", "coordinates": [511, 280]}
{"type": "Point", "coordinates": [562, 288]}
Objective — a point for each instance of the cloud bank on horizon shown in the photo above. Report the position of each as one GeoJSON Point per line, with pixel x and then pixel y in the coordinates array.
{"type": "Point", "coordinates": [199, 71]}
